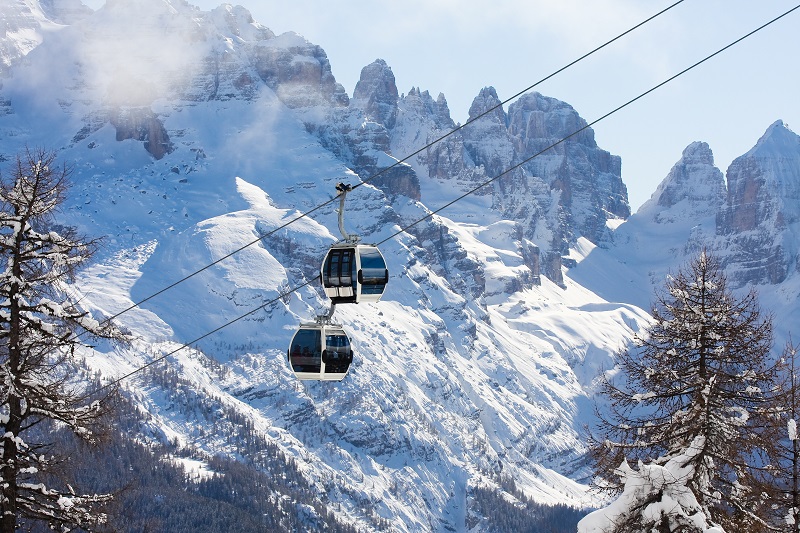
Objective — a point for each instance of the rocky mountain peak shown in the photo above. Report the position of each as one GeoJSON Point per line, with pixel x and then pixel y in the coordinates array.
{"type": "Point", "coordinates": [486, 100]}
{"type": "Point", "coordinates": [423, 104]}
{"type": "Point", "coordinates": [238, 23]}
{"type": "Point", "coordinates": [443, 111]}
{"type": "Point", "coordinates": [587, 179]}
{"type": "Point", "coordinates": [298, 71]}
{"type": "Point", "coordinates": [752, 224]}
{"type": "Point", "coordinates": [759, 219]}
{"type": "Point", "coordinates": [693, 179]}
{"type": "Point", "coordinates": [65, 11]}
{"type": "Point", "coordinates": [778, 140]}
{"type": "Point", "coordinates": [376, 93]}
{"type": "Point", "coordinates": [698, 153]}
{"type": "Point", "coordinates": [497, 155]}
{"type": "Point", "coordinates": [764, 183]}
{"type": "Point", "coordinates": [535, 117]}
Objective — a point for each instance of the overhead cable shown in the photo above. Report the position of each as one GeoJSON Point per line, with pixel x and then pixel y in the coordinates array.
{"type": "Point", "coordinates": [381, 172]}
{"type": "Point", "coordinates": [429, 215]}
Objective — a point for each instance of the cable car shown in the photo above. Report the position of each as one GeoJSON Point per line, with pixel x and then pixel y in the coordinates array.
{"type": "Point", "coordinates": [320, 352]}
{"type": "Point", "coordinates": [354, 273]}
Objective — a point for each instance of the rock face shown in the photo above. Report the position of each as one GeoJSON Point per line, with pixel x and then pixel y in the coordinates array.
{"type": "Point", "coordinates": [298, 71]}
{"type": "Point", "coordinates": [557, 191]}
{"type": "Point", "coordinates": [375, 98]}
{"type": "Point", "coordinates": [751, 223]}
{"type": "Point", "coordinates": [758, 224]}
{"type": "Point", "coordinates": [693, 180]}
{"type": "Point", "coordinates": [143, 125]}
{"type": "Point", "coordinates": [556, 197]}
{"type": "Point", "coordinates": [376, 93]}
{"type": "Point", "coordinates": [495, 156]}
{"type": "Point", "coordinates": [359, 134]}
{"type": "Point", "coordinates": [583, 179]}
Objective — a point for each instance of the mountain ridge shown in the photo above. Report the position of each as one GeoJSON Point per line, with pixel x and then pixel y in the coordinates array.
{"type": "Point", "coordinates": [478, 365]}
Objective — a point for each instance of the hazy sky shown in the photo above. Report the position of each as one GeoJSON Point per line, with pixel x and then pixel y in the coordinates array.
{"type": "Point", "coordinates": [456, 47]}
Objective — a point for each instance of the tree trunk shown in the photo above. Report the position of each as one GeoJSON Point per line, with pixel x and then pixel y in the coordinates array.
{"type": "Point", "coordinates": [10, 467]}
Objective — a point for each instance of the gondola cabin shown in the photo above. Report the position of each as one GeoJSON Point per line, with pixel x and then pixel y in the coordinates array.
{"type": "Point", "coordinates": [320, 352]}
{"type": "Point", "coordinates": [354, 273]}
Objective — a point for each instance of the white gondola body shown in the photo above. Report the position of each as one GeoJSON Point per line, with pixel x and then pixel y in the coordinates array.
{"type": "Point", "coordinates": [320, 352]}
{"type": "Point", "coordinates": [354, 273]}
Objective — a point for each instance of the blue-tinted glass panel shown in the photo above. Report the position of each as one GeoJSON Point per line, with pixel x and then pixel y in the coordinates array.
{"type": "Point", "coordinates": [305, 353]}
{"type": "Point", "coordinates": [373, 271]}
{"type": "Point", "coordinates": [338, 355]}
{"type": "Point", "coordinates": [339, 268]}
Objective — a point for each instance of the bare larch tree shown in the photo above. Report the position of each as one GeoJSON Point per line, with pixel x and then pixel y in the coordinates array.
{"type": "Point", "coordinates": [782, 480]}
{"type": "Point", "coordinates": [698, 384]}
{"type": "Point", "coordinates": [41, 328]}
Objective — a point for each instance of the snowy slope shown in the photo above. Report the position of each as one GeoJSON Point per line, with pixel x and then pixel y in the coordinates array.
{"type": "Point", "coordinates": [25, 23]}
{"type": "Point", "coordinates": [662, 235]}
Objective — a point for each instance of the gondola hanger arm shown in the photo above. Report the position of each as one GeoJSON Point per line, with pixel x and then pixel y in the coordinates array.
{"type": "Point", "coordinates": [343, 189]}
{"type": "Point", "coordinates": [327, 318]}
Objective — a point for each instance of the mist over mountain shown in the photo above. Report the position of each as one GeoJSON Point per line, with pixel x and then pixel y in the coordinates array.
{"type": "Point", "coordinates": [191, 134]}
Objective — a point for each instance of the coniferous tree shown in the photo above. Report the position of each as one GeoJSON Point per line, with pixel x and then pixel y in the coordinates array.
{"type": "Point", "coordinates": [696, 394]}
{"type": "Point", "coordinates": [783, 479]}
{"type": "Point", "coordinates": [40, 329]}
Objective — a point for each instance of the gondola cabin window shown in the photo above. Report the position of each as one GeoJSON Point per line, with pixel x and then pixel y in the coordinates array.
{"type": "Point", "coordinates": [373, 275]}
{"type": "Point", "coordinates": [306, 351]}
{"type": "Point", "coordinates": [320, 352]}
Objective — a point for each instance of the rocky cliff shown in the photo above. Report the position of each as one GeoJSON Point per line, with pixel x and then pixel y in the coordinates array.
{"type": "Point", "coordinates": [567, 192]}
{"type": "Point", "coordinates": [759, 225]}
{"type": "Point", "coordinates": [694, 184]}
{"type": "Point", "coordinates": [748, 218]}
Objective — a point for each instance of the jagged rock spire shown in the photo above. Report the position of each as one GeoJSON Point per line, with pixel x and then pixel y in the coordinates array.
{"type": "Point", "coordinates": [693, 179]}
{"type": "Point", "coordinates": [376, 93]}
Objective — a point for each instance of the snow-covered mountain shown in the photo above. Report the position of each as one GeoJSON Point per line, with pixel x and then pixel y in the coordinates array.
{"type": "Point", "coordinates": [748, 219]}
{"type": "Point", "coordinates": [26, 22]}
{"type": "Point", "coordinates": [191, 134]}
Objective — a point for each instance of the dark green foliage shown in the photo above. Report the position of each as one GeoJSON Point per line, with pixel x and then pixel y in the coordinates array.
{"type": "Point", "coordinates": [492, 511]}
{"type": "Point", "coordinates": [267, 493]}
{"type": "Point", "coordinates": [499, 515]}
{"type": "Point", "coordinates": [156, 494]}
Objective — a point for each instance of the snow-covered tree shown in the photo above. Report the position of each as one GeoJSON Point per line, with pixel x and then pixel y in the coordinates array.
{"type": "Point", "coordinates": [783, 480]}
{"type": "Point", "coordinates": [655, 498]}
{"type": "Point", "coordinates": [40, 329]}
{"type": "Point", "coordinates": [698, 385]}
